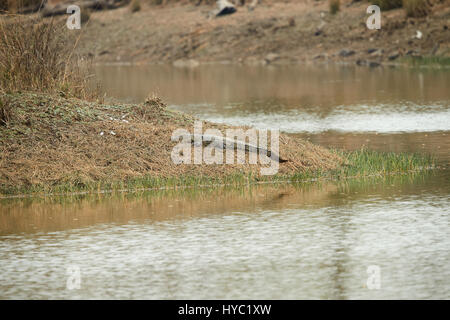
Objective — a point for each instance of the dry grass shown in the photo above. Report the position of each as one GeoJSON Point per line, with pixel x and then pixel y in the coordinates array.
{"type": "Point", "coordinates": [37, 55]}
{"type": "Point", "coordinates": [5, 112]}
{"type": "Point", "coordinates": [387, 4]}
{"type": "Point", "coordinates": [85, 16]}
{"type": "Point", "coordinates": [196, 2]}
{"type": "Point", "coordinates": [15, 6]}
{"type": "Point", "coordinates": [416, 8]}
{"type": "Point", "coordinates": [135, 6]}
{"type": "Point", "coordinates": [334, 6]}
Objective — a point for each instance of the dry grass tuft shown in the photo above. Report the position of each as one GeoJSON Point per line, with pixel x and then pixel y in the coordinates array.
{"type": "Point", "coordinates": [416, 8]}
{"type": "Point", "coordinates": [85, 16]}
{"type": "Point", "coordinates": [5, 112]}
{"type": "Point", "coordinates": [196, 2]}
{"type": "Point", "coordinates": [135, 6]}
{"type": "Point", "coordinates": [37, 55]}
{"type": "Point", "coordinates": [387, 4]}
{"type": "Point", "coordinates": [334, 6]}
{"type": "Point", "coordinates": [15, 6]}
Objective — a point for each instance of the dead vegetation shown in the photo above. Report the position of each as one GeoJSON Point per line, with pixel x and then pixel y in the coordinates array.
{"type": "Point", "coordinates": [21, 6]}
{"type": "Point", "coordinates": [5, 112]}
{"type": "Point", "coordinates": [387, 4]}
{"type": "Point", "coordinates": [334, 6]}
{"type": "Point", "coordinates": [135, 6]}
{"type": "Point", "coordinates": [417, 8]}
{"type": "Point", "coordinates": [37, 55]}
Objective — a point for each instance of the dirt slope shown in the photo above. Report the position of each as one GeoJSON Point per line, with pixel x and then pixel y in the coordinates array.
{"type": "Point", "coordinates": [272, 33]}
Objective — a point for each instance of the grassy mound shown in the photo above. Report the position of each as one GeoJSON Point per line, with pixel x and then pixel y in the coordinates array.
{"type": "Point", "coordinates": [49, 141]}
{"type": "Point", "coordinates": [54, 144]}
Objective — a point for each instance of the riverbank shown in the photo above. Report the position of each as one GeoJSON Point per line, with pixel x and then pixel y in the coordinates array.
{"type": "Point", "coordinates": [52, 144]}
{"type": "Point", "coordinates": [272, 33]}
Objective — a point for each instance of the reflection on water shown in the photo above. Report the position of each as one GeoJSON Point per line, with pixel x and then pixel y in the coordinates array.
{"type": "Point", "coordinates": [391, 109]}
{"type": "Point", "coordinates": [309, 241]}
{"type": "Point", "coordinates": [316, 88]}
{"type": "Point", "coordinates": [295, 98]}
{"type": "Point", "coordinates": [360, 118]}
{"type": "Point", "coordinates": [52, 214]}
{"type": "Point", "coordinates": [268, 242]}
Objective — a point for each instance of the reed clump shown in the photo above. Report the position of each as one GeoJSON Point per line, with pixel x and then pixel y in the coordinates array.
{"type": "Point", "coordinates": [387, 4]}
{"type": "Point", "coordinates": [38, 55]}
{"type": "Point", "coordinates": [135, 6]}
{"type": "Point", "coordinates": [21, 6]}
{"type": "Point", "coordinates": [416, 8]}
{"type": "Point", "coordinates": [334, 6]}
{"type": "Point", "coordinates": [5, 112]}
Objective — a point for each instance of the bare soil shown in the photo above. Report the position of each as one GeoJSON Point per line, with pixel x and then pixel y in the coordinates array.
{"type": "Point", "coordinates": [280, 32]}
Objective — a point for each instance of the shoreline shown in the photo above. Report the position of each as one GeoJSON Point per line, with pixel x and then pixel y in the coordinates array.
{"type": "Point", "coordinates": [409, 64]}
{"type": "Point", "coordinates": [216, 186]}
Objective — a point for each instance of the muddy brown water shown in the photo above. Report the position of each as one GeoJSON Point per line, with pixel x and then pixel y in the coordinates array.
{"type": "Point", "coordinates": [315, 240]}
